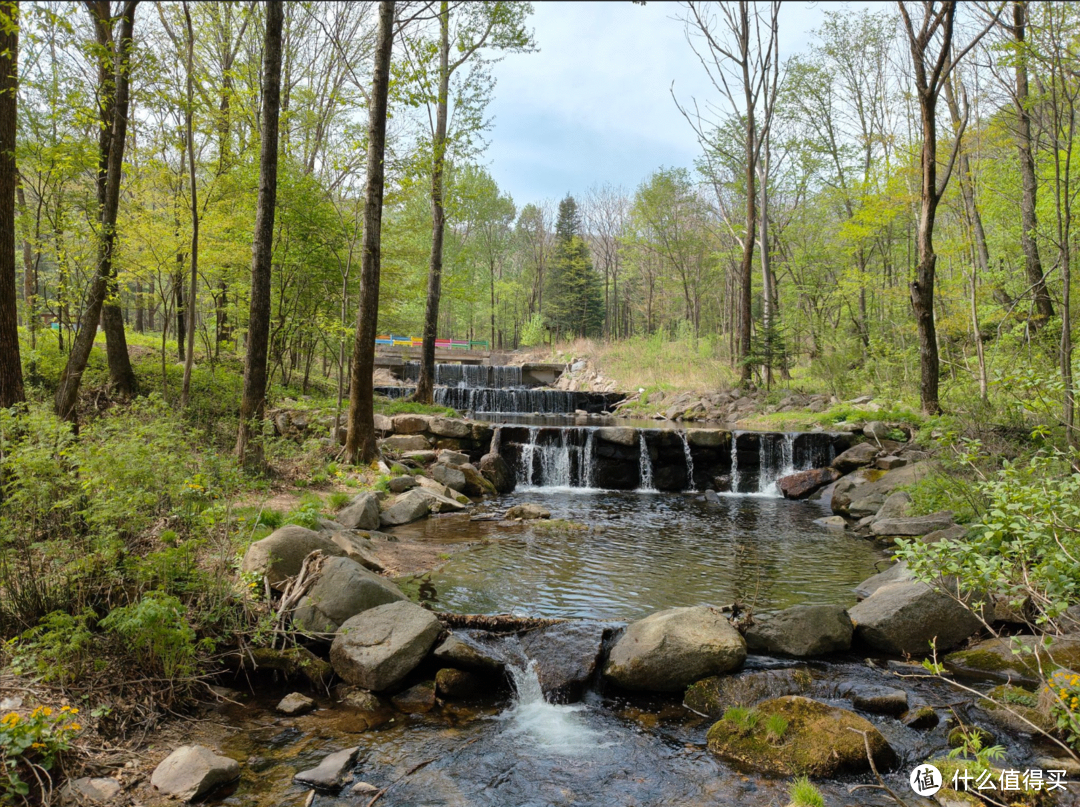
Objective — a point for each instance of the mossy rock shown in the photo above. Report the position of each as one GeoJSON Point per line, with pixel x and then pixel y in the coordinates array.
{"type": "Point", "coordinates": [293, 662]}
{"type": "Point", "coordinates": [959, 734]}
{"type": "Point", "coordinates": [712, 696]}
{"type": "Point", "coordinates": [820, 741]}
{"type": "Point", "coordinates": [995, 659]}
{"type": "Point", "coordinates": [948, 797]}
{"type": "Point", "coordinates": [1015, 709]}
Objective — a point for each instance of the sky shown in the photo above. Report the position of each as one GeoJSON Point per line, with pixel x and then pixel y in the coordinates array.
{"type": "Point", "coordinates": [595, 105]}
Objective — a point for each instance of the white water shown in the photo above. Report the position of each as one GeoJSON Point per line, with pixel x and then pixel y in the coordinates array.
{"type": "Point", "coordinates": [689, 463]}
{"type": "Point", "coordinates": [767, 476]}
{"type": "Point", "coordinates": [734, 464]}
{"type": "Point", "coordinates": [645, 467]}
{"type": "Point", "coordinates": [527, 452]}
{"type": "Point", "coordinates": [588, 463]}
{"type": "Point", "coordinates": [548, 727]}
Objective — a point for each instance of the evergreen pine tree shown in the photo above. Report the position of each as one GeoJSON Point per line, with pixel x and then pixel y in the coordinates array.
{"type": "Point", "coordinates": [575, 304]}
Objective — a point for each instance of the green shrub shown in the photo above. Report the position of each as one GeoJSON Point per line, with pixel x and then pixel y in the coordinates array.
{"type": "Point", "coordinates": [307, 514]}
{"type": "Point", "coordinates": [156, 631]}
{"type": "Point", "coordinates": [338, 499]}
{"type": "Point", "coordinates": [62, 647]}
{"type": "Point", "coordinates": [33, 743]}
{"type": "Point", "coordinates": [803, 794]}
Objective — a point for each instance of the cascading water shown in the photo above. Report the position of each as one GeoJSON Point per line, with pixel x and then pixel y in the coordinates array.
{"type": "Point", "coordinates": [557, 458]}
{"type": "Point", "coordinates": [689, 463]}
{"type": "Point", "coordinates": [645, 466]}
{"type": "Point", "coordinates": [734, 463]}
{"type": "Point", "coordinates": [552, 728]}
{"type": "Point", "coordinates": [588, 461]}
{"type": "Point", "coordinates": [528, 452]}
{"type": "Point", "coordinates": [776, 459]}
{"type": "Point", "coordinates": [468, 375]}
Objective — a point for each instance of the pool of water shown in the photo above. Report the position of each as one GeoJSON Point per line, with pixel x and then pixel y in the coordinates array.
{"type": "Point", "coordinates": [626, 555]}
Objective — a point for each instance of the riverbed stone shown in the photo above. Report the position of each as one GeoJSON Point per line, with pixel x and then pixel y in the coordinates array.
{"type": "Point", "coordinates": [496, 470]}
{"type": "Point", "coordinates": [714, 695]}
{"type": "Point", "coordinates": [461, 649]}
{"type": "Point", "coordinates": [566, 656]}
{"type": "Point", "coordinates": [295, 703]}
{"type": "Point", "coordinates": [377, 648]}
{"type": "Point", "coordinates": [344, 589]}
{"type": "Point", "coordinates": [953, 533]}
{"type": "Point", "coordinates": [802, 631]}
{"type": "Point", "coordinates": [416, 699]}
{"type": "Point", "coordinates": [330, 773]}
{"type": "Point", "coordinates": [450, 427]}
{"type": "Point", "coordinates": [281, 554]}
{"type": "Point", "coordinates": [869, 488]}
{"type": "Point", "coordinates": [438, 503]}
{"type": "Point", "coordinates": [405, 507]}
{"type": "Point", "coordinates": [875, 699]}
{"type": "Point", "coordinates": [620, 435]}
{"type": "Point", "coordinates": [890, 462]}
{"type": "Point", "coordinates": [669, 650]}
{"type": "Point", "coordinates": [832, 522]}
{"type": "Point", "coordinates": [421, 457]}
{"type": "Point", "coordinates": [450, 476]}
{"type": "Point", "coordinates": [192, 771]}
{"type": "Point", "coordinates": [527, 512]}
{"type": "Point", "coordinates": [895, 506]}
{"type": "Point", "coordinates": [917, 525]}
{"type": "Point", "coordinates": [475, 482]}
{"type": "Point", "coordinates": [995, 659]}
{"type": "Point", "coordinates": [802, 484]}
{"type": "Point", "coordinates": [400, 484]}
{"type": "Point", "coordinates": [921, 718]}
{"type": "Point", "coordinates": [903, 618]}
{"type": "Point", "coordinates": [90, 790]}
{"type": "Point", "coordinates": [855, 457]}
{"type": "Point", "coordinates": [358, 547]}
{"type": "Point", "coordinates": [896, 573]}
{"type": "Point", "coordinates": [454, 458]}
{"type": "Point", "coordinates": [362, 513]}
{"type": "Point", "coordinates": [818, 742]}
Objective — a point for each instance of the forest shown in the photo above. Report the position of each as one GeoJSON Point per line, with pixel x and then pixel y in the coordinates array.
{"type": "Point", "coordinates": [219, 219]}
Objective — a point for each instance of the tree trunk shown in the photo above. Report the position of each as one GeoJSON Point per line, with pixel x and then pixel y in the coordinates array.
{"type": "Point", "coordinates": [425, 385]}
{"type": "Point", "coordinates": [249, 448]}
{"type": "Point", "coordinates": [189, 125]}
{"type": "Point", "coordinates": [922, 288]}
{"type": "Point", "coordinates": [67, 393]}
{"type": "Point", "coordinates": [11, 380]}
{"type": "Point", "coordinates": [360, 444]}
{"type": "Point", "coordinates": [1029, 222]}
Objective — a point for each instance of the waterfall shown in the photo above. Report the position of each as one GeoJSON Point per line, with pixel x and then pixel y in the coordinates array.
{"type": "Point", "coordinates": [525, 472]}
{"type": "Point", "coordinates": [689, 463]}
{"type": "Point", "coordinates": [551, 728]}
{"type": "Point", "coordinates": [734, 463]}
{"type": "Point", "coordinates": [588, 461]}
{"type": "Point", "coordinates": [468, 376]}
{"type": "Point", "coordinates": [545, 463]}
{"type": "Point", "coordinates": [776, 453]}
{"type": "Point", "coordinates": [555, 463]}
{"type": "Point", "coordinates": [645, 466]}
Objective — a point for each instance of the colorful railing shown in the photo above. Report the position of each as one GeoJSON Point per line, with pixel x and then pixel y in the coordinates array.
{"type": "Point", "coordinates": [390, 340]}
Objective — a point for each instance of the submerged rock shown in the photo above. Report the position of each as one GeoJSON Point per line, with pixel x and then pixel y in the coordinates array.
{"type": "Point", "coordinates": [904, 617]}
{"type": "Point", "coordinates": [712, 696]}
{"type": "Point", "coordinates": [818, 742]}
{"type": "Point", "coordinates": [802, 630]}
{"type": "Point", "coordinates": [566, 656]}
{"type": "Point", "coordinates": [281, 554]}
{"type": "Point", "coordinates": [527, 511]}
{"type": "Point", "coordinates": [192, 771]}
{"type": "Point", "coordinates": [669, 650]}
{"type": "Point", "coordinates": [378, 648]}
{"type": "Point", "coordinates": [330, 773]}
{"type": "Point", "coordinates": [344, 589]}
{"type": "Point", "coordinates": [462, 650]}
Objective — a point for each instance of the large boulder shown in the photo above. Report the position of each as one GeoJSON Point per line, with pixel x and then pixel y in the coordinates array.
{"type": "Point", "coordinates": [904, 617]}
{"type": "Point", "coordinates": [475, 482]}
{"type": "Point", "coordinates": [406, 507]}
{"type": "Point", "coordinates": [527, 511]}
{"type": "Point", "coordinates": [330, 773]}
{"type": "Point", "coordinates": [344, 589]}
{"type": "Point", "coordinates": [496, 470]}
{"type": "Point", "coordinates": [192, 771]}
{"type": "Point", "coordinates": [411, 424]}
{"type": "Point", "coordinates": [805, 483]}
{"type": "Point", "coordinates": [362, 513]}
{"type": "Point", "coordinates": [669, 650]}
{"type": "Point", "coordinates": [897, 573]}
{"type": "Point", "coordinates": [359, 547]}
{"type": "Point", "coordinates": [864, 492]}
{"type": "Point", "coordinates": [405, 442]}
{"type": "Point", "coordinates": [451, 476]}
{"type": "Point", "coordinates": [820, 741]}
{"type": "Point", "coordinates": [916, 525]}
{"type": "Point", "coordinates": [450, 427]}
{"type": "Point", "coordinates": [566, 656]}
{"type": "Point", "coordinates": [1017, 659]}
{"type": "Point", "coordinates": [281, 554]}
{"type": "Point", "coordinates": [855, 457]}
{"type": "Point", "coordinates": [803, 630]}
{"type": "Point", "coordinates": [438, 503]}
{"type": "Point", "coordinates": [476, 653]}
{"type": "Point", "coordinates": [377, 648]}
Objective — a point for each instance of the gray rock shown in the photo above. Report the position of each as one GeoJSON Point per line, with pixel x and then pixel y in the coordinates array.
{"type": "Point", "coordinates": [953, 533]}
{"type": "Point", "coordinates": [327, 525]}
{"type": "Point", "coordinates": [855, 457]}
{"type": "Point", "coordinates": [437, 503]}
{"type": "Point", "coordinates": [903, 618]}
{"type": "Point", "coordinates": [896, 573]}
{"type": "Point", "coordinates": [377, 648]}
{"type": "Point", "coordinates": [566, 656]}
{"type": "Point", "coordinates": [802, 630]}
{"type": "Point", "coordinates": [832, 522]}
{"type": "Point", "coordinates": [281, 554]}
{"type": "Point", "coordinates": [416, 699]}
{"type": "Point", "coordinates": [708, 438]}
{"type": "Point", "coordinates": [470, 653]}
{"type": "Point", "coordinates": [422, 457]}
{"type": "Point", "coordinates": [873, 485]}
{"type": "Point", "coordinates": [620, 435]}
{"type": "Point", "coordinates": [867, 504]}
{"type": "Point", "coordinates": [295, 703]}
{"type": "Point", "coordinates": [876, 430]}
{"type": "Point", "coordinates": [330, 772]}
{"type": "Point", "coordinates": [400, 484]}
{"type": "Point", "coordinates": [802, 484]}
{"type": "Point", "coordinates": [475, 483]}
{"type": "Point", "coordinates": [448, 457]}
{"type": "Point", "coordinates": [669, 650]}
{"type": "Point", "coordinates": [896, 506]}
{"type": "Point", "coordinates": [450, 427]}
{"type": "Point", "coordinates": [919, 525]}
{"type": "Point", "coordinates": [498, 473]}
{"type": "Point", "coordinates": [405, 442]}
{"type": "Point", "coordinates": [344, 589]}
{"type": "Point", "coordinates": [192, 771]}
{"type": "Point", "coordinates": [527, 511]}
{"type": "Point", "coordinates": [436, 487]}
{"type": "Point", "coordinates": [452, 477]}
{"type": "Point", "coordinates": [362, 513]}
{"type": "Point", "coordinates": [383, 424]}
{"type": "Point", "coordinates": [875, 699]}
{"type": "Point", "coordinates": [411, 424]}
{"type": "Point", "coordinates": [359, 548]}
{"type": "Point", "coordinates": [89, 790]}
{"type": "Point", "coordinates": [405, 508]}
{"type": "Point", "coordinates": [890, 462]}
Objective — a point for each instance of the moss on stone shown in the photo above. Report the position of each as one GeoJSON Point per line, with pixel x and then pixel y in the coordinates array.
{"type": "Point", "coordinates": [821, 740]}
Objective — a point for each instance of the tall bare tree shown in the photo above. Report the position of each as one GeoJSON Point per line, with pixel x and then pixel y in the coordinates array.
{"type": "Point", "coordinates": [11, 380]}
{"type": "Point", "coordinates": [360, 442]}
{"type": "Point", "coordinates": [249, 447]}
{"type": "Point", "coordinates": [114, 60]}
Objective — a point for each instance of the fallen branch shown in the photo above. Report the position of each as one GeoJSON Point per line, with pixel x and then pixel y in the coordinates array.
{"type": "Point", "coordinates": [496, 623]}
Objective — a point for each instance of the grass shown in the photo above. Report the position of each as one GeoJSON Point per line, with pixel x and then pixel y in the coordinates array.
{"type": "Point", "coordinates": [386, 406]}
{"type": "Point", "coordinates": [776, 726]}
{"type": "Point", "coordinates": [803, 794]}
{"type": "Point", "coordinates": [743, 718]}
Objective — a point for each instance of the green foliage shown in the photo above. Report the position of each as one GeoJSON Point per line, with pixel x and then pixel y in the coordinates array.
{"type": "Point", "coordinates": [307, 514]}
{"type": "Point", "coordinates": [972, 747]}
{"type": "Point", "coordinates": [157, 632]}
{"type": "Point", "coordinates": [61, 648]}
{"type": "Point", "coordinates": [744, 719]}
{"type": "Point", "coordinates": [533, 331]}
{"type": "Point", "coordinates": [1063, 693]}
{"type": "Point", "coordinates": [803, 794]}
{"type": "Point", "coordinates": [776, 726]}
{"type": "Point", "coordinates": [36, 741]}
{"type": "Point", "coordinates": [385, 406]}
{"type": "Point", "coordinates": [338, 499]}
